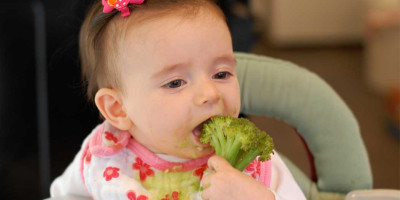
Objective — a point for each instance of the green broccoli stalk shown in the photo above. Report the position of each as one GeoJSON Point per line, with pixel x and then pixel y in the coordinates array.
{"type": "Point", "coordinates": [238, 140]}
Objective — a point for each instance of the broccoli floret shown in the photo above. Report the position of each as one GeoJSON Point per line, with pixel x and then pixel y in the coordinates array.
{"type": "Point", "coordinates": [238, 140]}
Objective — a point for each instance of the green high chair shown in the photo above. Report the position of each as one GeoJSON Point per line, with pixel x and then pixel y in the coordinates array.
{"type": "Point", "coordinates": [287, 92]}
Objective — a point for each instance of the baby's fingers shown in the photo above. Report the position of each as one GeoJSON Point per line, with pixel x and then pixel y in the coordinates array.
{"type": "Point", "coordinates": [217, 163]}
{"type": "Point", "coordinates": [214, 184]}
{"type": "Point", "coordinates": [207, 190]}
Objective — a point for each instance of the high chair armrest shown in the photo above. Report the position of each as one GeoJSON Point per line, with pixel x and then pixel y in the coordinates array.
{"type": "Point", "coordinates": [287, 92]}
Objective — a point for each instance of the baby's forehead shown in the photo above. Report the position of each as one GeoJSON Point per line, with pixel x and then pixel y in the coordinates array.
{"type": "Point", "coordinates": [149, 32]}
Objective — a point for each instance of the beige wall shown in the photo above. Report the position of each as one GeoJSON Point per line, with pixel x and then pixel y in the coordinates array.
{"type": "Point", "coordinates": [373, 23]}
{"type": "Point", "coordinates": [293, 22]}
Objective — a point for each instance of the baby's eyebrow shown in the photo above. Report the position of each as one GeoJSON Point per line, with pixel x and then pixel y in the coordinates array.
{"type": "Point", "coordinates": [168, 69]}
{"type": "Point", "coordinates": [225, 59]}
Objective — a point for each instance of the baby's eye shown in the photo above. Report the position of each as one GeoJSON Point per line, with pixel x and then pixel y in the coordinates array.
{"type": "Point", "coordinates": [221, 75]}
{"type": "Point", "coordinates": [175, 83]}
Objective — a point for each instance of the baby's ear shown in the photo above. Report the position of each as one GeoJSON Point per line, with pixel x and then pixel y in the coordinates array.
{"type": "Point", "coordinates": [109, 103]}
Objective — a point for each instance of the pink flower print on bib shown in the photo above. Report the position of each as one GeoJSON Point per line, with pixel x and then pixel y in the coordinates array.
{"type": "Point", "coordinates": [144, 169]}
{"type": "Point", "coordinates": [254, 168]}
{"type": "Point", "coordinates": [132, 196]}
{"type": "Point", "coordinates": [110, 173]}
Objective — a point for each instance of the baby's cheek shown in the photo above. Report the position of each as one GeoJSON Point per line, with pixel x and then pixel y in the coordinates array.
{"type": "Point", "coordinates": [183, 143]}
{"type": "Point", "coordinates": [236, 112]}
{"type": "Point", "coordinates": [179, 137]}
{"type": "Point", "coordinates": [234, 107]}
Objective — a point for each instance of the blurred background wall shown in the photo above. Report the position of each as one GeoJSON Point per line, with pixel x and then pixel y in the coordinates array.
{"type": "Point", "coordinates": [311, 22]}
{"type": "Point", "coordinates": [370, 23]}
{"type": "Point", "coordinates": [353, 45]}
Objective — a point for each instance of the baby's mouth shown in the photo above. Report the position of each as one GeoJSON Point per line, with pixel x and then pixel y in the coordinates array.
{"type": "Point", "coordinates": [197, 132]}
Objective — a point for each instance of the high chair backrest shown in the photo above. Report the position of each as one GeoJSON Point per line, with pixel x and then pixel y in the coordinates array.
{"type": "Point", "coordinates": [285, 91]}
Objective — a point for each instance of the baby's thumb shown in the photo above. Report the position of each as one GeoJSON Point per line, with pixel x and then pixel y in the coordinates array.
{"type": "Point", "coordinates": [216, 163]}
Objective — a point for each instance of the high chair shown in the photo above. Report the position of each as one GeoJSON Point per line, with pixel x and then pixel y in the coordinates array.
{"type": "Point", "coordinates": [287, 92]}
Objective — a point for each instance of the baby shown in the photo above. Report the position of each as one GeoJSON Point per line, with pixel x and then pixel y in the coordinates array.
{"type": "Point", "coordinates": [157, 70]}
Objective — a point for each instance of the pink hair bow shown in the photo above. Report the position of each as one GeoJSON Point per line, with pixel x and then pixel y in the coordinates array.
{"type": "Point", "coordinates": [121, 5]}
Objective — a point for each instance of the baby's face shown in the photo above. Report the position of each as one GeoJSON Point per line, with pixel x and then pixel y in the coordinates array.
{"type": "Point", "coordinates": [176, 74]}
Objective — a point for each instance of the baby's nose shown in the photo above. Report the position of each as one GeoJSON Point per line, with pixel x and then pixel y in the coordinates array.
{"type": "Point", "coordinates": [206, 93]}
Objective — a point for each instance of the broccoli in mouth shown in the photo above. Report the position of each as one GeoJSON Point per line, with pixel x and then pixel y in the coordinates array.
{"type": "Point", "coordinates": [238, 140]}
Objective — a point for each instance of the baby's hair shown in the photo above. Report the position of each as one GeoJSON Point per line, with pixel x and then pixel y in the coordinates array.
{"type": "Point", "coordinates": [98, 40]}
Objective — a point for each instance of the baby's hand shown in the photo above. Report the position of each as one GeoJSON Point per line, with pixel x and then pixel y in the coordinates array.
{"type": "Point", "coordinates": [229, 183]}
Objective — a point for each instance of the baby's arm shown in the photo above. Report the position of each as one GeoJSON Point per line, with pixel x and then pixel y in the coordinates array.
{"type": "Point", "coordinates": [229, 183]}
